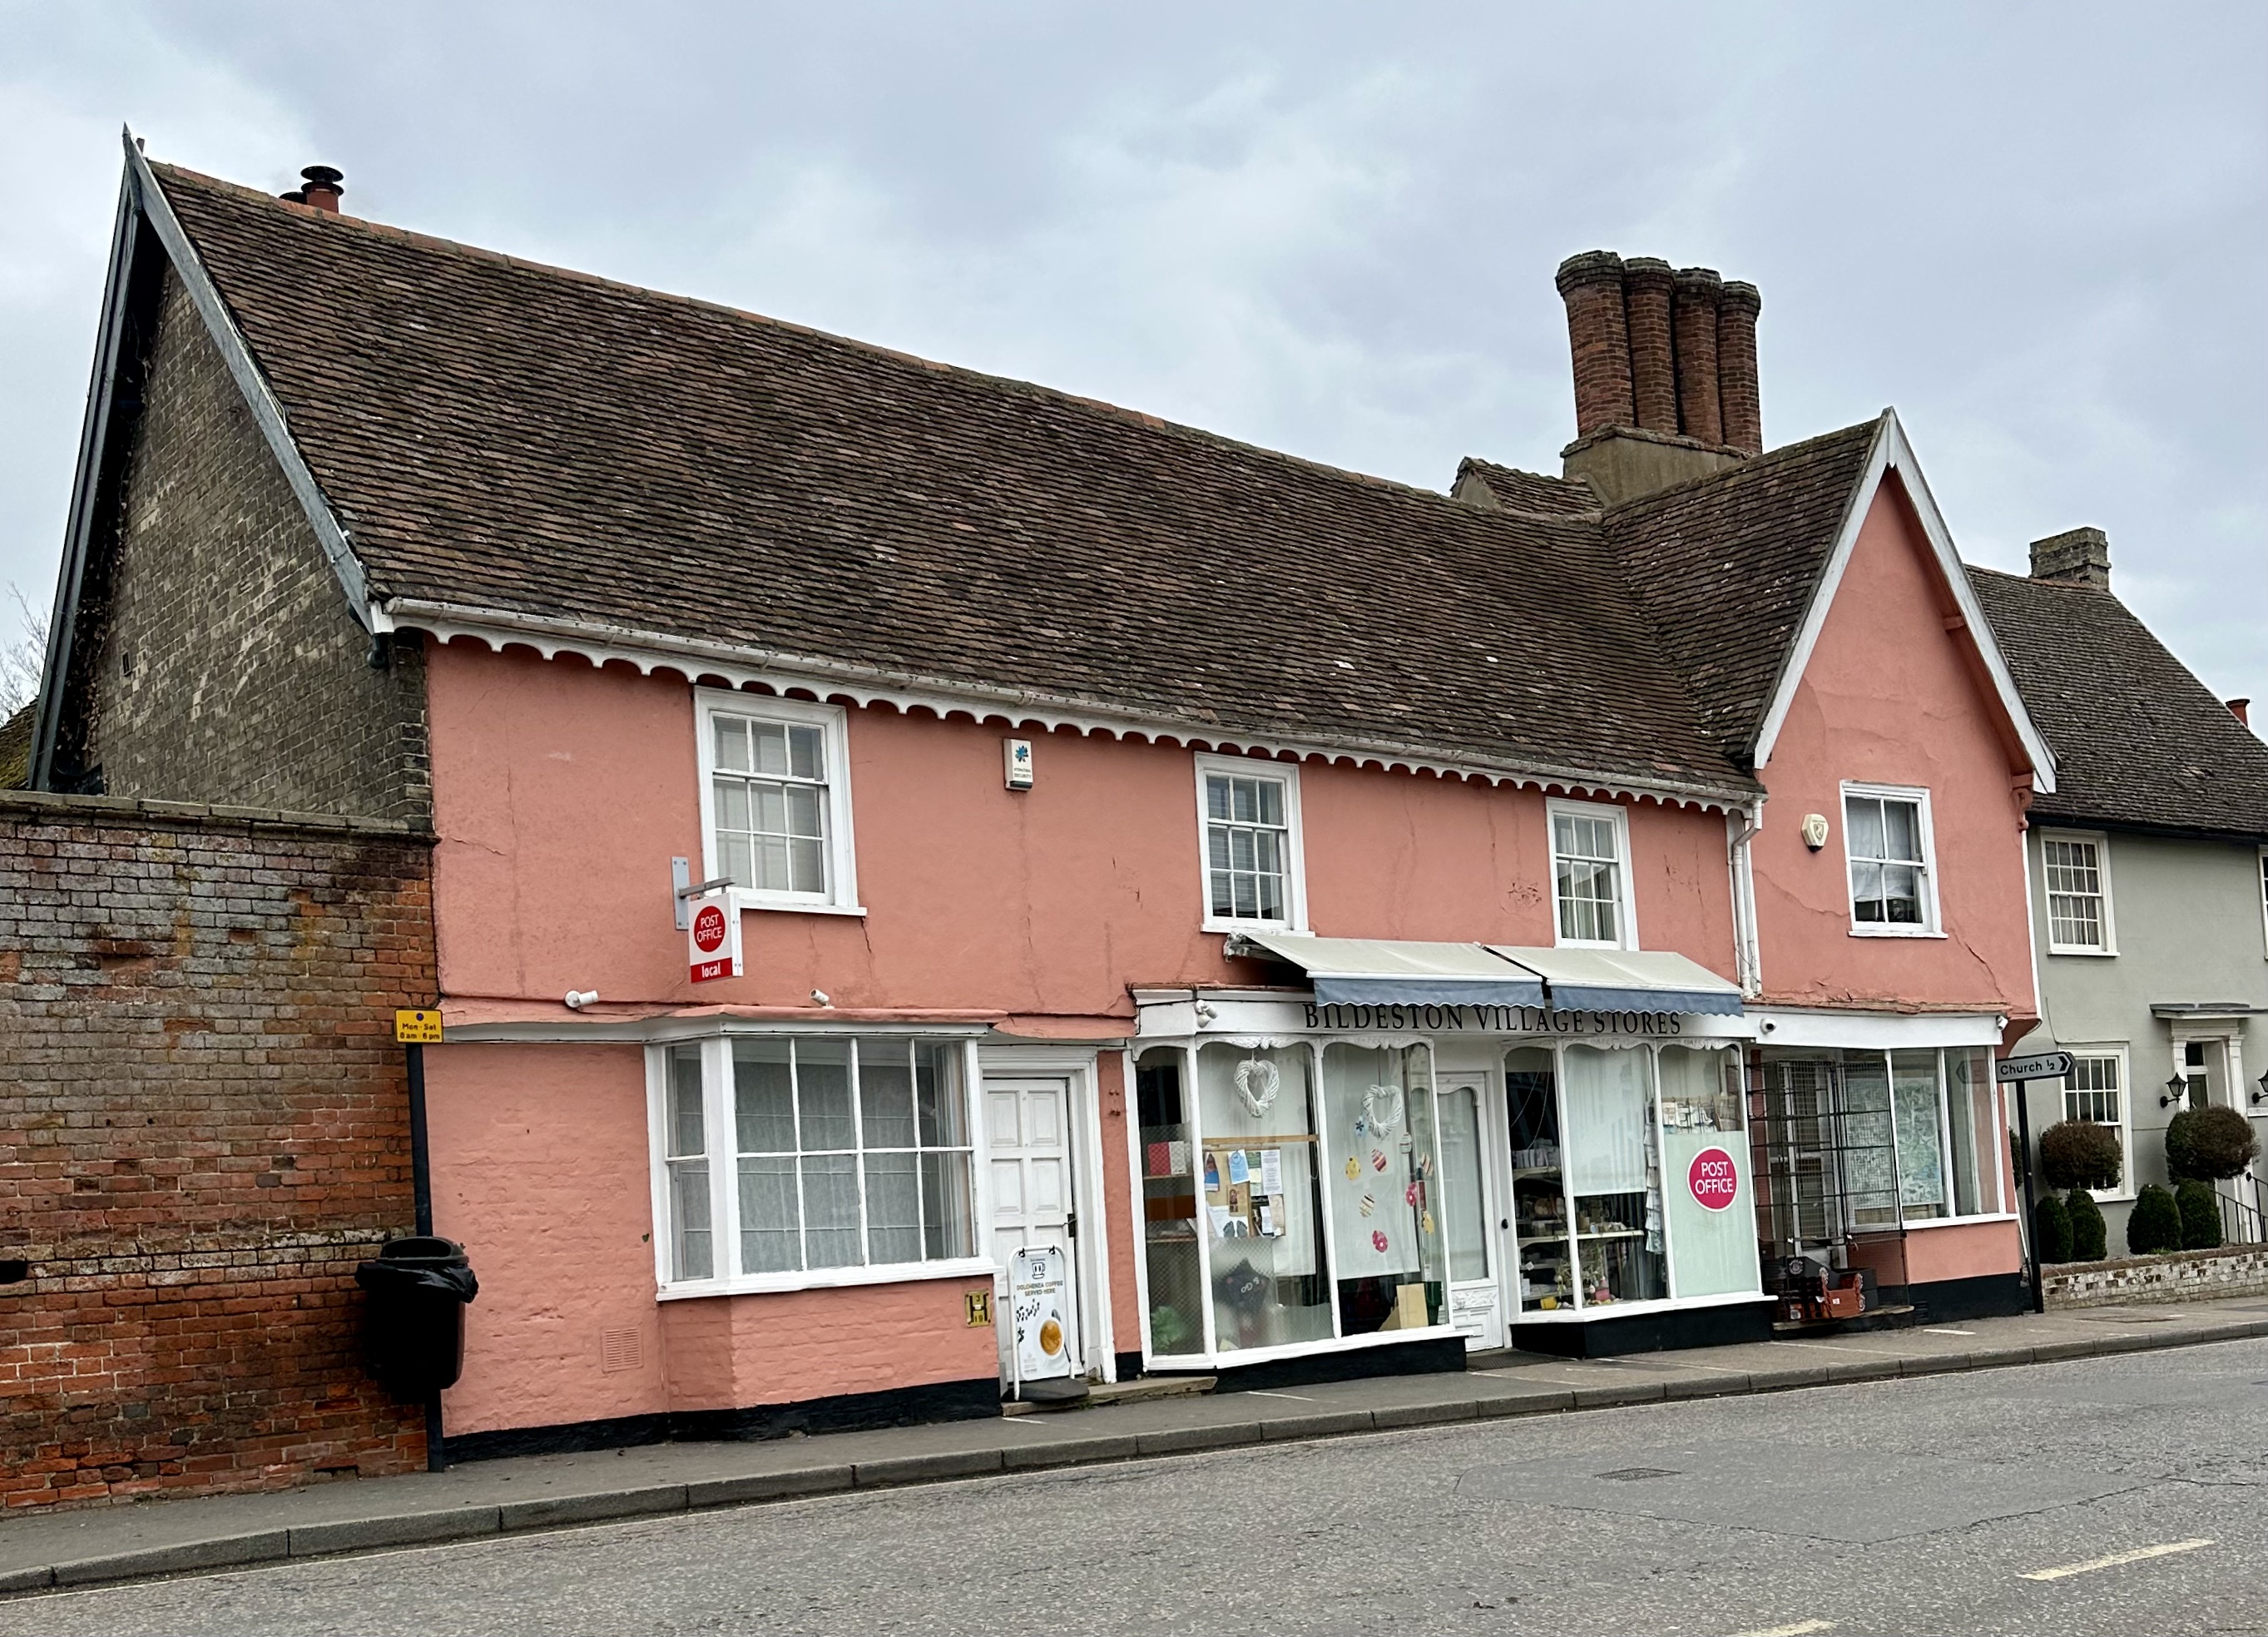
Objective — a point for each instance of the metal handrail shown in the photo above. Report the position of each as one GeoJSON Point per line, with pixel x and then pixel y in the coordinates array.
{"type": "Point", "coordinates": [2242, 1221]}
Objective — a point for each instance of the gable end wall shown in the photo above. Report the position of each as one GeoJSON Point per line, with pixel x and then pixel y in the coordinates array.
{"type": "Point", "coordinates": [219, 661]}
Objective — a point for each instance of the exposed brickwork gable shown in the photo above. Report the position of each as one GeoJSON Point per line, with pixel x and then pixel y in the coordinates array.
{"type": "Point", "coordinates": [216, 657]}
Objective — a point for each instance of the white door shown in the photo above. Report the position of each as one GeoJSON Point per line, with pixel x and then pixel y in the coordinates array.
{"type": "Point", "coordinates": [1475, 1293]}
{"type": "Point", "coordinates": [1027, 1144]}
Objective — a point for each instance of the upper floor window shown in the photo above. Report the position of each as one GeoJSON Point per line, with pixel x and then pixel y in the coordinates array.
{"type": "Point", "coordinates": [1249, 824]}
{"type": "Point", "coordinates": [775, 802]}
{"type": "Point", "coordinates": [1590, 856]}
{"type": "Point", "coordinates": [2079, 894]}
{"type": "Point", "coordinates": [1886, 837]}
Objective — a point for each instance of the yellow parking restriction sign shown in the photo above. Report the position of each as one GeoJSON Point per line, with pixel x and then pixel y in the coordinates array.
{"type": "Point", "coordinates": [417, 1029]}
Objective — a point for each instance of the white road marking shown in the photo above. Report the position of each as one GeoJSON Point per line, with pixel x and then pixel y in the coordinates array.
{"type": "Point", "coordinates": [1936, 1329]}
{"type": "Point", "coordinates": [1837, 1347]}
{"type": "Point", "coordinates": [2066, 1570]}
{"type": "Point", "coordinates": [1262, 1392]}
{"type": "Point", "coordinates": [1801, 1628]}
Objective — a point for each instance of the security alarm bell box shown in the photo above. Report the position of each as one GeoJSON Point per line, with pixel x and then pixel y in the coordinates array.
{"type": "Point", "coordinates": [1017, 755]}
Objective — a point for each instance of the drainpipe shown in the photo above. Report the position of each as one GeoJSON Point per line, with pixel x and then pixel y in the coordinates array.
{"type": "Point", "coordinates": [1746, 960]}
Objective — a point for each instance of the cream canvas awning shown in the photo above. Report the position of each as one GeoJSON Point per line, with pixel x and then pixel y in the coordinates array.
{"type": "Point", "coordinates": [1378, 971]}
{"type": "Point", "coordinates": [1627, 980]}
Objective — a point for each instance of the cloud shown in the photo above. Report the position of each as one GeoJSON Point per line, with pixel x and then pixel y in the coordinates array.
{"type": "Point", "coordinates": [1328, 228]}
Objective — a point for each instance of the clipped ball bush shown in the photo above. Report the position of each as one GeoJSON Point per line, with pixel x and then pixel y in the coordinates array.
{"type": "Point", "coordinates": [2200, 1215]}
{"type": "Point", "coordinates": [2080, 1153]}
{"type": "Point", "coordinates": [2090, 1234]}
{"type": "Point", "coordinates": [2154, 1224]}
{"type": "Point", "coordinates": [2052, 1229]}
{"type": "Point", "coordinates": [2209, 1143]}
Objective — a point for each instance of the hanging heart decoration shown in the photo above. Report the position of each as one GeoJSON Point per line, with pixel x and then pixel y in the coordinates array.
{"type": "Point", "coordinates": [1383, 1105]}
{"type": "Point", "coordinates": [1257, 1082]}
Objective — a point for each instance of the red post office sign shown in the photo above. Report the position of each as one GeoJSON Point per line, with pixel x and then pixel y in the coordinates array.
{"type": "Point", "coordinates": [1715, 1179]}
{"type": "Point", "coordinates": [713, 941]}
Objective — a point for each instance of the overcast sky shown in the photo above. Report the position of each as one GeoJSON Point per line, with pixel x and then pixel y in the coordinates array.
{"type": "Point", "coordinates": [2037, 231]}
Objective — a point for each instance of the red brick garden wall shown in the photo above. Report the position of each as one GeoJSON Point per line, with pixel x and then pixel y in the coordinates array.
{"type": "Point", "coordinates": [203, 1126]}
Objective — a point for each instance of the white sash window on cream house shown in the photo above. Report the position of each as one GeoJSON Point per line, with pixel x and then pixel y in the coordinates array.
{"type": "Point", "coordinates": [2077, 870]}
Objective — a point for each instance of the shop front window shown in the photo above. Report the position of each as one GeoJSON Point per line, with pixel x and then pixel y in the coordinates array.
{"type": "Point", "coordinates": [1258, 1196]}
{"type": "Point", "coordinates": [1974, 1128]}
{"type": "Point", "coordinates": [1169, 1207]}
{"type": "Point", "coordinates": [1385, 1235]}
{"type": "Point", "coordinates": [1921, 1135]}
{"type": "Point", "coordinates": [1614, 1175]}
{"type": "Point", "coordinates": [1705, 1153]}
{"type": "Point", "coordinates": [1539, 1183]}
{"type": "Point", "coordinates": [1870, 1162]}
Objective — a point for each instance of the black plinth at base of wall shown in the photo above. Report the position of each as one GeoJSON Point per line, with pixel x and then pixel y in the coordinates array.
{"type": "Point", "coordinates": [1649, 1332]}
{"type": "Point", "coordinates": [1432, 1356]}
{"type": "Point", "coordinates": [1987, 1296]}
{"type": "Point", "coordinates": [845, 1412]}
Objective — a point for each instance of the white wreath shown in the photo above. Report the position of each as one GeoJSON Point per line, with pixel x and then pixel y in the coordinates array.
{"type": "Point", "coordinates": [1383, 1106]}
{"type": "Point", "coordinates": [1257, 1082]}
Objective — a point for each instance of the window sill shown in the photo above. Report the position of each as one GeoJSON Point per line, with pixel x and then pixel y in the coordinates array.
{"type": "Point", "coordinates": [1893, 931]}
{"type": "Point", "coordinates": [1926, 1223]}
{"type": "Point", "coordinates": [2099, 955]}
{"type": "Point", "coordinates": [1589, 943]}
{"type": "Point", "coordinates": [1212, 924]}
{"type": "Point", "coordinates": [831, 1279]}
{"type": "Point", "coordinates": [793, 906]}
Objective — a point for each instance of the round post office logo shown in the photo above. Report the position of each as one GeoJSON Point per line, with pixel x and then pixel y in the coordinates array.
{"type": "Point", "coordinates": [1715, 1179]}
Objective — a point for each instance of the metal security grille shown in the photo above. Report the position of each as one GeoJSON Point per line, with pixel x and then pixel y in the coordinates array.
{"type": "Point", "coordinates": [1825, 1146]}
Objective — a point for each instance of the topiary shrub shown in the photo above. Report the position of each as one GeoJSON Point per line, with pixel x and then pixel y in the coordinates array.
{"type": "Point", "coordinates": [2090, 1234]}
{"type": "Point", "coordinates": [2080, 1153]}
{"type": "Point", "coordinates": [2154, 1224]}
{"type": "Point", "coordinates": [2200, 1215]}
{"type": "Point", "coordinates": [2051, 1230]}
{"type": "Point", "coordinates": [2209, 1143]}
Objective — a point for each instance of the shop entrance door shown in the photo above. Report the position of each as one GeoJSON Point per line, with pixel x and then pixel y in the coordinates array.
{"type": "Point", "coordinates": [1028, 1149]}
{"type": "Point", "coordinates": [1476, 1297]}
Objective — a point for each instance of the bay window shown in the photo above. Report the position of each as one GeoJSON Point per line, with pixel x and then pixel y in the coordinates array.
{"type": "Point", "coordinates": [794, 1160]}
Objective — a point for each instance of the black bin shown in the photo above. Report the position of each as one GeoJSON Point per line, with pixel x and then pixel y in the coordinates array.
{"type": "Point", "coordinates": [415, 1322]}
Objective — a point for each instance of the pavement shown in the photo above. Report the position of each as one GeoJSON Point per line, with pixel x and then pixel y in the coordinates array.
{"type": "Point", "coordinates": [505, 1498]}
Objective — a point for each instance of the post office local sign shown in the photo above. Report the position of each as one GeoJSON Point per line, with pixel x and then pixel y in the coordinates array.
{"type": "Point", "coordinates": [713, 941]}
{"type": "Point", "coordinates": [1715, 1179]}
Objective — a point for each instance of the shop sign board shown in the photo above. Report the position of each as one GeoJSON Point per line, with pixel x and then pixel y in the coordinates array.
{"type": "Point", "coordinates": [713, 939]}
{"type": "Point", "coordinates": [1039, 1283]}
{"type": "Point", "coordinates": [1715, 1179]}
{"type": "Point", "coordinates": [1365, 1018]}
{"type": "Point", "coordinates": [2039, 1065]}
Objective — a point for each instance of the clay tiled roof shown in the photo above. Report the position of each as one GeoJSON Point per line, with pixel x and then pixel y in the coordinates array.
{"type": "Point", "coordinates": [16, 749]}
{"type": "Point", "coordinates": [1727, 567]}
{"type": "Point", "coordinates": [2138, 740]}
{"type": "Point", "coordinates": [512, 436]}
{"type": "Point", "coordinates": [1512, 490]}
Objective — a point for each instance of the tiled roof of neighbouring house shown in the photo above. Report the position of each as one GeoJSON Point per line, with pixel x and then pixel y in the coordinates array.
{"type": "Point", "coordinates": [2137, 739]}
{"type": "Point", "coordinates": [1512, 490]}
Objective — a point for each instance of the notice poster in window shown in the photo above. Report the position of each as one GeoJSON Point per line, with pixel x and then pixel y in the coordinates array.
{"type": "Point", "coordinates": [1272, 1171]}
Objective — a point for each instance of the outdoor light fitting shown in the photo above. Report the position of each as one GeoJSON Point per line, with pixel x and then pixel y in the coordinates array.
{"type": "Point", "coordinates": [2177, 1088]}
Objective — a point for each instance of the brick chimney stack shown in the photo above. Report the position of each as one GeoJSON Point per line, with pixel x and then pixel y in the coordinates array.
{"type": "Point", "coordinates": [322, 189]}
{"type": "Point", "coordinates": [1698, 412]}
{"type": "Point", "coordinates": [1647, 288]}
{"type": "Point", "coordinates": [2078, 556]}
{"type": "Point", "coordinates": [1597, 334]}
{"type": "Point", "coordinates": [1665, 372]}
{"type": "Point", "coordinates": [1740, 403]}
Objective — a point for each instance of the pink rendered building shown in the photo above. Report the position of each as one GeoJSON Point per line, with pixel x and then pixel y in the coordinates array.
{"type": "Point", "coordinates": [1349, 924]}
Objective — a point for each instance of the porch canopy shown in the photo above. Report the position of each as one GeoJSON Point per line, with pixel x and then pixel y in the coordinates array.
{"type": "Point", "coordinates": [1376, 971]}
{"type": "Point", "coordinates": [1627, 980]}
